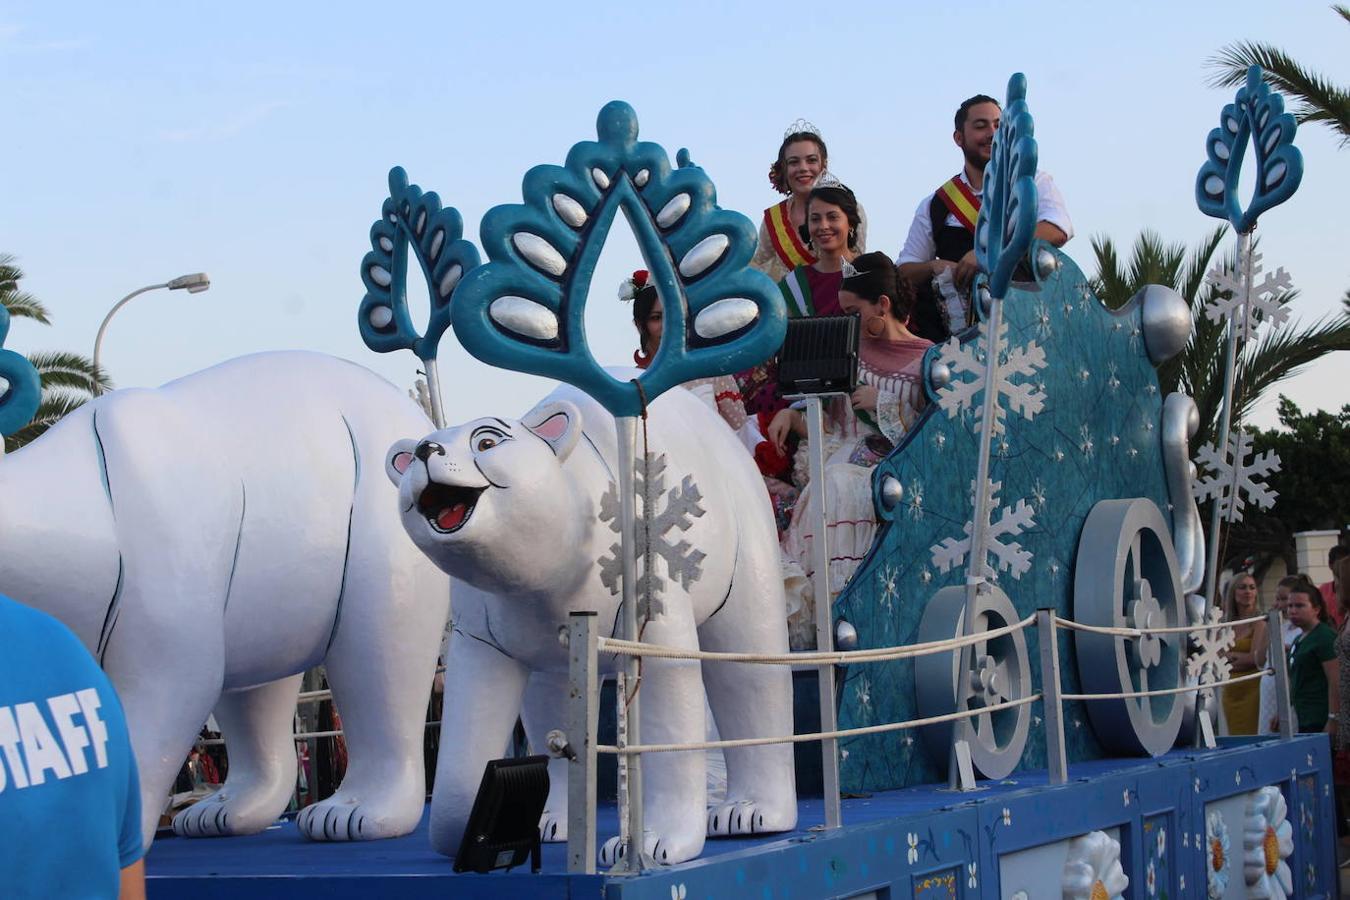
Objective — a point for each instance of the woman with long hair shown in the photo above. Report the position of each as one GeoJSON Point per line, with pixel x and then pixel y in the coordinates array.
{"type": "Point", "coordinates": [1242, 702]}
{"type": "Point", "coordinates": [862, 432]}
{"type": "Point", "coordinates": [802, 160]}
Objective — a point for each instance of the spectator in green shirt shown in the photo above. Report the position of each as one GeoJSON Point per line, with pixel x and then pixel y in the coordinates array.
{"type": "Point", "coordinates": [1314, 680]}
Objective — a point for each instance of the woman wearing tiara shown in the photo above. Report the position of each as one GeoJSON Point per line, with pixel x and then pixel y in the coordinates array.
{"type": "Point", "coordinates": [719, 391]}
{"type": "Point", "coordinates": [802, 159]}
{"type": "Point", "coordinates": [859, 434]}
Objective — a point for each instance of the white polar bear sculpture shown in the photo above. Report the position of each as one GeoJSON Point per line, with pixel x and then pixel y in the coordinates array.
{"type": "Point", "coordinates": [511, 510]}
{"type": "Point", "coordinates": [210, 540]}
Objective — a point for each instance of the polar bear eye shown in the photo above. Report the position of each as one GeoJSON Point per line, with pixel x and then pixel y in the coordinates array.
{"type": "Point", "coordinates": [486, 439]}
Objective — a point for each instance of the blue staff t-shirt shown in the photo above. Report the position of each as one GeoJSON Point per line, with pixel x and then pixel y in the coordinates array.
{"type": "Point", "coordinates": [70, 805]}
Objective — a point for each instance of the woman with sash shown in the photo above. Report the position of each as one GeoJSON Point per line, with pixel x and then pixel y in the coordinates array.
{"type": "Point", "coordinates": [802, 160]}
{"type": "Point", "coordinates": [859, 434]}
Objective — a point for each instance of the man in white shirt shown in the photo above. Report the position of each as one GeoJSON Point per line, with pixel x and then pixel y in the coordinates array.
{"type": "Point", "coordinates": [942, 235]}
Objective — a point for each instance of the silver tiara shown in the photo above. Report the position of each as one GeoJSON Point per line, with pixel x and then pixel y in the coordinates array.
{"type": "Point", "coordinates": [801, 126]}
{"type": "Point", "coordinates": [847, 270]}
{"type": "Point", "coordinates": [827, 179]}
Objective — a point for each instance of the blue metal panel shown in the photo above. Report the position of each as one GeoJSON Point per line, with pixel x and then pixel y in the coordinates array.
{"type": "Point", "coordinates": [1097, 438]}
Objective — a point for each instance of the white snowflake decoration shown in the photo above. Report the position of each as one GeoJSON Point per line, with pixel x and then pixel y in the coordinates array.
{"type": "Point", "coordinates": [1209, 664]}
{"type": "Point", "coordinates": [1007, 555]}
{"type": "Point", "coordinates": [1248, 305]}
{"type": "Point", "coordinates": [683, 562]}
{"type": "Point", "coordinates": [1235, 480]}
{"type": "Point", "coordinates": [961, 394]}
{"type": "Point", "coordinates": [889, 575]}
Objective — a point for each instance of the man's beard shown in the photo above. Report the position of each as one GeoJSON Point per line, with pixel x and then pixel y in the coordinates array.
{"type": "Point", "coordinates": [975, 159]}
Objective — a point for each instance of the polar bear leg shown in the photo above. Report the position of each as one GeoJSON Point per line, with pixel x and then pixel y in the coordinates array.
{"type": "Point", "coordinates": [752, 701]}
{"type": "Point", "coordinates": [167, 686]}
{"type": "Point", "coordinates": [380, 664]}
{"type": "Point", "coordinates": [483, 690]}
{"type": "Point", "coordinates": [546, 709]}
{"type": "Point", "coordinates": [674, 785]}
{"type": "Point", "coordinates": [257, 724]}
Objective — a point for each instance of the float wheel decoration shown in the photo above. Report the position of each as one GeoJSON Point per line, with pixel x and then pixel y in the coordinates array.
{"type": "Point", "coordinates": [1126, 576]}
{"type": "Point", "coordinates": [996, 671]}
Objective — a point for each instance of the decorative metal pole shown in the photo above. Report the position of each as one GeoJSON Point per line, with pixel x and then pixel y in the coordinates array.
{"type": "Point", "coordinates": [820, 559]}
{"type": "Point", "coordinates": [633, 861]}
{"type": "Point", "coordinates": [1244, 248]}
{"type": "Point", "coordinates": [1003, 235]}
{"type": "Point", "coordinates": [1256, 115]}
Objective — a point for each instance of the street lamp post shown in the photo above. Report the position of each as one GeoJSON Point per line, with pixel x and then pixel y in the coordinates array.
{"type": "Point", "coordinates": [193, 284]}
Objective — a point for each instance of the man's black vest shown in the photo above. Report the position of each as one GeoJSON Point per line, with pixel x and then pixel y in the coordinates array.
{"type": "Point", "coordinates": [953, 242]}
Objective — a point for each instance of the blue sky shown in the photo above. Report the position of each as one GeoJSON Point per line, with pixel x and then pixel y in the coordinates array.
{"type": "Point", "coordinates": [252, 141]}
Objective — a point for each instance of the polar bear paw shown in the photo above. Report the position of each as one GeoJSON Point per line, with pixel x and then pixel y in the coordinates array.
{"type": "Point", "coordinates": [743, 817]}
{"type": "Point", "coordinates": [342, 819]}
{"type": "Point", "coordinates": [222, 815]}
{"type": "Point", "coordinates": [552, 828]}
{"type": "Point", "coordinates": [665, 851]}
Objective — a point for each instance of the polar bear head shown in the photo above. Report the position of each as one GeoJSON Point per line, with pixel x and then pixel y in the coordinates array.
{"type": "Point", "coordinates": [491, 501]}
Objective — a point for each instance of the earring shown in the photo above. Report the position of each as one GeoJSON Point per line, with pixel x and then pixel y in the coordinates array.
{"type": "Point", "coordinates": [875, 326]}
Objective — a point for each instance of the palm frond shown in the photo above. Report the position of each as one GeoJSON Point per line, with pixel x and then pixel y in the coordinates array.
{"type": "Point", "coordinates": [59, 368]}
{"type": "Point", "coordinates": [1318, 100]}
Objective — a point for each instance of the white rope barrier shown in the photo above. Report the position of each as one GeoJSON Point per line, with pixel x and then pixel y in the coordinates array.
{"type": "Point", "coordinates": [1164, 692]}
{"type": "Point", "coordinates": [880, 654]}
{"type": "Point", "coordinates": [1140, 632]}
{"type": "Point", "coordinates": [634, 749]}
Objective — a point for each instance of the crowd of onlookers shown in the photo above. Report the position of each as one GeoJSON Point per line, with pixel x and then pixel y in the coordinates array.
{"type": "Point", "coordinates": [1317, 652]}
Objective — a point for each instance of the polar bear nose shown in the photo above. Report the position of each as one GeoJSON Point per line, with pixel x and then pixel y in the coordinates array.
{"type": "Point", "coordinates": [426, 448]}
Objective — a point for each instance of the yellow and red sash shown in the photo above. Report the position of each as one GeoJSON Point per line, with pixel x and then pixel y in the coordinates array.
{"type": "Point", "coordinates": [786, 242]}
{"type": "Point", "coordinates": [960, 201]}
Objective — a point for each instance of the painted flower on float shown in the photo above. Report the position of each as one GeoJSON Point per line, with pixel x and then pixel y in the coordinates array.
{"type": "Point", "coordinates": [1267, 842]}
{"type": "Point", "coordinates": [1216, 840]}
{"type": "Point", "coordinates": [1093, 871]}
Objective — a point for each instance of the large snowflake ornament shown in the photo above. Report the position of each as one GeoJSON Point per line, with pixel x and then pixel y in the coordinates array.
{"type": "Point", "coordinates": [1234, 479]}
{"type": "Point", "coordinates": [1209, 663]}
{"type": "Point", "coordinates": [1025, 399]}
{"type": "Point", "coordinates": [683, 562]}
{"type": "Point", "coordinates": [1006, 555]}
{"type": "Point", "coordinates": [1247, 302]}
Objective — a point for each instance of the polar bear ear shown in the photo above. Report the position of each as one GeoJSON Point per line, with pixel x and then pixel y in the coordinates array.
{"type": "Point", "coordinates": [398, 459]}
{"type": "Point", "coordinates": [557, 423]}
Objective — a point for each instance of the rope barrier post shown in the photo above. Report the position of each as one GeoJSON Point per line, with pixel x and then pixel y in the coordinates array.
{"type": "Point", "coordinates": [632, 861]}
{"type": "Point", "coordinates": [583, 711]}
{"type": "Point", "coordinates": [820, 559]}
{"type": "Point", "coordinates": [1057, 760]}
{"type": "Point", "coordinates": [1279, 667]}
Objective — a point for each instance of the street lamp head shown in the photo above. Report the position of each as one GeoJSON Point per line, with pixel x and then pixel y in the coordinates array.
{"type": "Point", "coordinates": [195, 283]}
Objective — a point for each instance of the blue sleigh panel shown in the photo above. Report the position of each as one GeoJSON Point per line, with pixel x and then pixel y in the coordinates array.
{"type": "Point", "coordinates": [1097, 435]}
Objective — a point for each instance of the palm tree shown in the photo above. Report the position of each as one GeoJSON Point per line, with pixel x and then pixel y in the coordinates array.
{"type": "Point", "coordinates": [1318, 100]}
{"type": "Point", "coordinates": [1199, 370]}
{"type": "Point", "coordinates": [68, 379]}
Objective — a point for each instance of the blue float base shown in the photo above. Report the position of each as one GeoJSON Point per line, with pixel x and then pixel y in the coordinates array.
{"type": "Point", "coordinates": [921, 842]}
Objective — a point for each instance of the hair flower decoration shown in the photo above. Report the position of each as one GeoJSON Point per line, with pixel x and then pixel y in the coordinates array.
{"type": "Point", "coordinates": [629, 287]}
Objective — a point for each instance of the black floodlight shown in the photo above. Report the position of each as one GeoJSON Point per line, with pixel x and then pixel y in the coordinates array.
{"type": "Point", "coordinates": [503, 827]}
{"type": "Point", "coordinates": [819, 356]}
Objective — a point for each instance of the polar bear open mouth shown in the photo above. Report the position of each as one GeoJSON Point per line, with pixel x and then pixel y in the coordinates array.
{"type": "Point", "coordinates": [447, 507]}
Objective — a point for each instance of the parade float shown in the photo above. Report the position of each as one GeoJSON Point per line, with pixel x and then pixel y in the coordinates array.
{"type": "Point", "coordinates": [1025, 665]}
